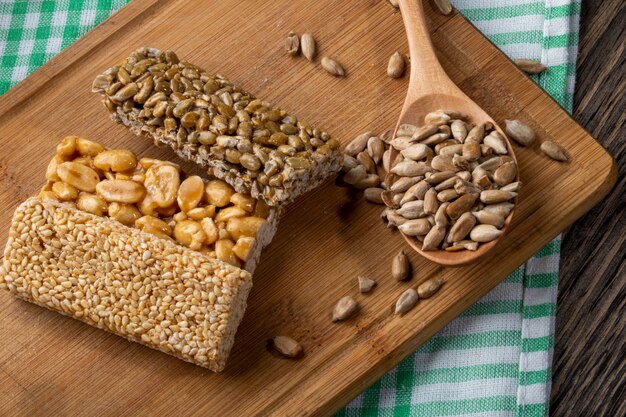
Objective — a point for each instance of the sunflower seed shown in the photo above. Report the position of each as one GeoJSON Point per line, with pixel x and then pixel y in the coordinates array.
{"type": "Point", "coordinates": [486, 217]}
{"type": "Point", "coordinates": [485, 233]}
{"type": "Point", "coordinates": [462, 245]}
{"type": "Point", "coordinates": [403, 184]}
{"type": "Point", "coordinates": [459, 130]}
{"type": "Point", "coordinates": [462, 227]}
{"type": "Point", "coordinates": [345, 308]}
{"type": "Point", "coordinates": [429, 288]}
{"type": "Point", "coordinates": [375, 148]}
{"type": "Point", "coordinates": [451, 150]}
{"type": "Point", "coordinates": [496, 196]}
{"type": "Point", "coordinates": [395, 68]}
{"type": "Point", "coordinates": [406, 302]}
{"type": "Point", "coordinates": [307, 44]}
{"type": "Point", "coordinates": [288, 347]}
{"type": "Point", "coordinates": [424, 132]}
{"type": "Point", "coordinates": [449, 183]}
{"type": "Point", "coordinates": [441, 217]}
{"type": "Point", "coordinates": [443, 163]}
{"type": "Point", "coordinates": [406, 129]}
{"type": "Point", "coordinates": [430, 201]}
{"type": "Point", "coordinates": [502, 209]}
{"type": "Point", "coordinates": [461, 205]}
{"type": "Point", "coordinates": [438, 177]}
{"type": "Point", "coordinates": [333, 67]}
{"type": "Point", "coordinates": [394, 218]}
{"type": "Point", "coordinates": [292, 45]}
{"type": "Point", "coordinates": [434, 238]}
{"type": "Point", "coordinates": [447, 195]}
{"type": "Point", "coordinates": [496, 142]}
{"type": "Point", "coordinates": [412, 210]}
{"type": "Point", "coordinates": [410, 169]}
{"type": "Point", "coordinates": [400, 266]}
{"type": "Point", "coordinates": [505, 173]}
{"type": "Point", "coordinates": [355, 175]}
{"type": "Point", "coordinates": [520, 132]}
{"type": "Point", "coordinates": [358, 144]}
{"type": "Point", "coordinates": [530, 66]}
{"type": "Point", "coordinates": [366, 284]}
{"type": "Point", "coordinates": [476, 134]}
{"type": "Point", "coordinates": [373, 195]}
{"type": "Point", "coordinates": [365, 160]}
{"type": "Point", "coordinates": [416, 152]}
{"type": "Point", "coordinates": [416, 227]}
{"type": "Point", "coordinates": [554, 151]}
{"type": "Point", "coordinates": [349, 162]}
{"type": "Point", "coordinates": [370, 181]}
{"type": "Point", "coordinates": [513, 187]}
{"type": "Point", "coordinates": [400, 143]}
{"type": "Point", "coordinates": [443, 6]}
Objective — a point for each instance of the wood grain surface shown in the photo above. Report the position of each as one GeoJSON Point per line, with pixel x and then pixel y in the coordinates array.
{"type": "Point", "coordinates": [590, 351]}
{"type": "Point", "coordinates": [52, 365]}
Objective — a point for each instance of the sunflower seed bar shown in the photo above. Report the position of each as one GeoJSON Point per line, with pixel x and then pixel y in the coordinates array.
{"type": "Point", "coordinates": [130, 283]}
{"type": "Point", "coordinates": [258, 149]}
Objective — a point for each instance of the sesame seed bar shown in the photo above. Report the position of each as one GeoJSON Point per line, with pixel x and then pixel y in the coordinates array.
{"type": "Point", "coordinates": [257, 148]}
{"type": "Point", "coordinates": [122, 280]}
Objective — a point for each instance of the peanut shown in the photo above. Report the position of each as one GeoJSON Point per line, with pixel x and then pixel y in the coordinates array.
{"type": "Point", "coordinates": [64, 191]}
{"type": "Point", "coordinates": [190, 193]}
{"type": "Point", "coordinates": [190, 234]}
{"type": "Point", "coordinates": [124, 213]}
{"type": "Point", "coordinates": [210, 229]}
{"type": "Point", "coordinates": [78, 175]}
{"type": "Point", "coordinates": [228, 213]}
{"type": "Point", "coordinates": [146, 163]}
{"type": "Point", "coordinates": [116, 160]}
{"type": "Point", "coordinates": [224, 252]}
{"type": "Point", "coordinates": [91, 203]}
{"type": "Point", "coordinates": [244, 226]}
{"type": "Point", "coordinates": [218, 193]}
{"type": "Point", "coordinates": [51, 170]}
{"type": "Point", "coordinates": [200, 213]}
{"type": "Point", "coordinates": [243, 246]}
{"type": "Point", "coordinates": [162, 181]}
{"type": "Point", "coordinates": [151, 224]}
{"type": "Point", "coordinates": [67, 147]}
{"type": "Point", "coordinates": [121, 191]}
{"type": "Point", "coordinates": [243, 201]}
{"type": "Point", "coordinates": [88, 148]}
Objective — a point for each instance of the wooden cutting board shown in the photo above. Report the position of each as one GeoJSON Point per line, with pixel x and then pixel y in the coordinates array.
{"type": "Point", "coordinates": [52, 365]}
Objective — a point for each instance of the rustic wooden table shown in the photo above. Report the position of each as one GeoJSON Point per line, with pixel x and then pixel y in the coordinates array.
{"type": "Point", "coordinates": [590, 351]}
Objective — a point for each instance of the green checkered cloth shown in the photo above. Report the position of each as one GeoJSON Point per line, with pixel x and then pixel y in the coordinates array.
{"type": "Point", "coordinates": [495, 359]}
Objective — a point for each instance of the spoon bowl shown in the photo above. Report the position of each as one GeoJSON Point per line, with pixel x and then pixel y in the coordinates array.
{"type": "Point", "coordinates": [431, 89]}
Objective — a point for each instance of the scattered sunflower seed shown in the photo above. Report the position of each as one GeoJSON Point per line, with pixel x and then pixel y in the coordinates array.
{"type": "Point", "coordinates": [366, 284]}
{"type": "Point", "coordinates": [407, 301]}
{"type": "Point", "coordinates": [520, 132]}
{"type": "Point", "coordinates": [400, 266]}
{"type": "Point", "coordinates": [554, 151]}
{"type": "Point", "coordinates": [288, 347]}
{"type": "Point", "coordinates": [530, 66]}
{"type": "Point", "coordinates": [293, 44]}
{"type": "Point", "coordinates": [333, 67]}
{"type": "Point", "coordinates": [307, 44]}
{"type": "Point", "coordinates": [395, 68]}
{"type": "Point", "coordinates": [345, 308]}
{"type": "Point", "coordinates": [429, 288]}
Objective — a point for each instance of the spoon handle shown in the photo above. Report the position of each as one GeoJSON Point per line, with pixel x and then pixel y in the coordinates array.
{"type": "Point", "coordinates": [427, 74]}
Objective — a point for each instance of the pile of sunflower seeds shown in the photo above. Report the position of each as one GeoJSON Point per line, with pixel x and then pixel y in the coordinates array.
{"type": "Point", "coordinates": [451, 185]}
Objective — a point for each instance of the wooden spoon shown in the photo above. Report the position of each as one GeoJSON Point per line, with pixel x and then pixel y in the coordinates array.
{"type": "Point", "coordinates": [430, 89]}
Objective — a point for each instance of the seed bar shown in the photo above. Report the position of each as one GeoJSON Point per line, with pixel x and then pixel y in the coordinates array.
{"type": "Point", "coordinates": [130, 283]}
{"type": "Point", "coordinates": [258, 149]}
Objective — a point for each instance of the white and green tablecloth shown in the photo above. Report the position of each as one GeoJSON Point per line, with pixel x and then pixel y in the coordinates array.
{"type": "Point", "coordinates": [495, 359]}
